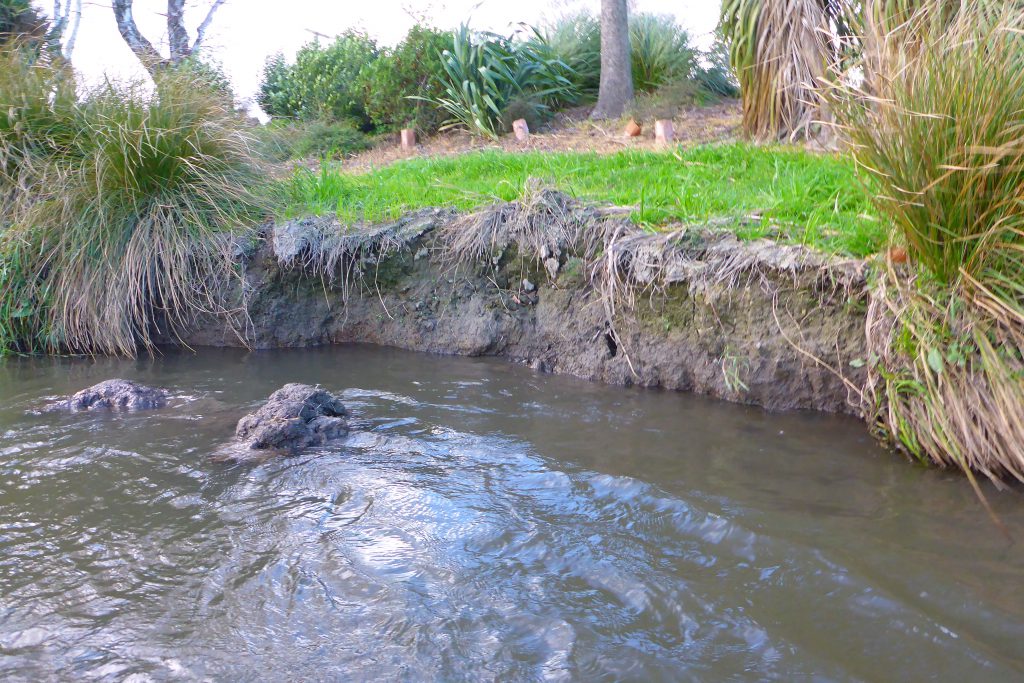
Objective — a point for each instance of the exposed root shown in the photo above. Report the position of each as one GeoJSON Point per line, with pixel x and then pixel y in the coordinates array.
{"type": "Point", "coordinates": [638, 265]}
{"type": "Point", "coordinates": [543, 224]}
{"type": "Point", "coordinates": [347, 256]}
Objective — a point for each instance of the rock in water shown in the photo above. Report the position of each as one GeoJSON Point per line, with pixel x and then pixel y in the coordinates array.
{"type": "Point", "coordinates": [114, 394]}
{"type": "Point", "coordinates": [296, 416]}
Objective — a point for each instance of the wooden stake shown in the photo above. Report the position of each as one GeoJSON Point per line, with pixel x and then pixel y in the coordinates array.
{"type": "Point", "coordinates": [408, 139]}
{"type": "Point", "coordinates": [521, 130]}
{"type": "Point", "coordinates": [663, 131]}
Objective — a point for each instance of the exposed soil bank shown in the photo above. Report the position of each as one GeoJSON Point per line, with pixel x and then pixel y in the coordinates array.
{"type": "Point", "coordinates": [568, 290]}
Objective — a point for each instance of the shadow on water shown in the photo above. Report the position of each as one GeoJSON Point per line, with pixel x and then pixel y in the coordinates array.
{"type": "Point", "coordinates": [482, 522]}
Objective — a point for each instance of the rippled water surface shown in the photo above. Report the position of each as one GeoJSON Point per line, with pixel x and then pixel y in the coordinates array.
{"type": "Point", "coordinates": [482, 522]}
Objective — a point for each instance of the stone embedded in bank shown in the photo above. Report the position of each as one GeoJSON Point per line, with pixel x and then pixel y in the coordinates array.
{"type": "Point", "coordinates": [296, 416]}
{"type": "Point", "coordinates": [114, 394]}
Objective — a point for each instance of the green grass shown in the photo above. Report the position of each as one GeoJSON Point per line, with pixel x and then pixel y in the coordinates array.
{"type": "Point", "coordinates": [762, 191]}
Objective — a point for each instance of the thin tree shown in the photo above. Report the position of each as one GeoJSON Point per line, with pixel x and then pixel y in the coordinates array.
{"type": "Point", "coordinates": [177, 35]}
{"type": "Point", "coordinates": [616, 89]}
{"type": "Point", "coordinates": [67, 16]}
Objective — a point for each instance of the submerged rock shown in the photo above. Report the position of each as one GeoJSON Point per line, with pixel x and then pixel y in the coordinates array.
{"type": "Point", "coordinates": [114, 394]}
{"type": "Point", "coordinates": [296, 416]}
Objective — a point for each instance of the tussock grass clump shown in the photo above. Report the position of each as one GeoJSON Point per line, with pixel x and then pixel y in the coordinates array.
{"type": "Point", "coordinates": [35, 99]}
{"type": "Point", "coordinates": [127, 222]}
{"type": "Point", "coordinates": [939, 132]}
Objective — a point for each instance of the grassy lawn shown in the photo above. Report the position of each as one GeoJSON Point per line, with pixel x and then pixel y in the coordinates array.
{"type": "Point", "coordinates": [763, 191]}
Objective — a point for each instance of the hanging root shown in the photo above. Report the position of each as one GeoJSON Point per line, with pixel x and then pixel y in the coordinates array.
{"type": "Point", "coordinates": [542, 224]}
{"type": "Point", "coordinates": [640, 266]}
{"type": "Point", "coordinates": [347, 256]}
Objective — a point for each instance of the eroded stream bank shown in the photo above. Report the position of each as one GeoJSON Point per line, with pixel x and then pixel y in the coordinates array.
{"type": "Point", "coordinates": [566, 289]}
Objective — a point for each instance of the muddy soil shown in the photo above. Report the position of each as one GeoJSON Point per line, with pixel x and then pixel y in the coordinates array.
{"type": "Point", "coordinates": [754, 322]}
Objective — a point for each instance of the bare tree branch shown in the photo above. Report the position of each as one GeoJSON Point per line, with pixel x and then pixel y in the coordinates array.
{"type": "Point", "coordinates": [201, 31]}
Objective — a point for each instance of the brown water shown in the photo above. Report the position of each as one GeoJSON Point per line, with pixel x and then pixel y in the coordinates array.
{"type": "Point", "coordinates": [482, 522]}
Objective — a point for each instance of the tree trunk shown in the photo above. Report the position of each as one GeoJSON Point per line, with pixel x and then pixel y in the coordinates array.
{"type": "Point", "coordinates": [177, 34]}
{"type": "Point", "coordinates": [616, 89]}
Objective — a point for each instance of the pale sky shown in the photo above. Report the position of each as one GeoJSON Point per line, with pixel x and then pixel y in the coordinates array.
{"type": "Point", "coordinates": [245, 32]}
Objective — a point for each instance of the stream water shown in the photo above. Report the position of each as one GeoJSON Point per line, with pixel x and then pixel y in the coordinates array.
{"type": "Point", "coordinates": [482, 522]}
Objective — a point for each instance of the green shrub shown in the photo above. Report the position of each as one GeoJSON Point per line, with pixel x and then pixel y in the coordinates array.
{"type": "Point", "coordinates": [125, 223]}
{"type": "Point", "coordinates": [576, 40]}
{"type": "Point", "coordinates": [277, 88]}
{"type": "Point", "coordinates": [660, 51]}
{"type": "Point", "coordinates": [19, 20]}
{"type": "Point", "coordinates": [411, 69]}
{"type": "Point", "coordinates": [714, 73]}
{"type": "Point", "coordinates": [322, 83]}
{"type": "Point", "coordinates": [283, 140]}
{"type": "Point", "coordinates": [485, 72]}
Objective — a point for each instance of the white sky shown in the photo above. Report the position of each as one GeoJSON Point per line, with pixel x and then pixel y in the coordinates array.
{"type": "Point", "coordinates": [245, 32]}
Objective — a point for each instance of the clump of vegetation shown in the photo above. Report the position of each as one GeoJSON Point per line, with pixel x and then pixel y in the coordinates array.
{"type": "Point", "coordinates": [18, 18]}
{"type": "Point", "coordinates": [713, 72]}
{"type": "Point", "coordinates": [395, 88]}
{"type": "Point", "coordinates": [322, 83]}
{"type": "Point", "coordinates": [938, 135]}
{"type": "Point", "coordinates": [660, 52]}
{"type": "Point", "coordinates": [781, 52]}
{"type": "Point", "coordinates": [661, 56]}
{"type": "Point", "coordinates": [757, 191]}
{"type": "Point", "coordinates": [576, 40]}
{"type": "Point", "coordinates": [484, 73]}
{"type": "Point", "coordinates": [281, 140]}
{"type": "Point", "coordinates": [119, 208]}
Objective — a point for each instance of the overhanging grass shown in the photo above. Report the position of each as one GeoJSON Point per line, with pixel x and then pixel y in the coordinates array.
{"type": "Point", "coordinates": [781, 192]}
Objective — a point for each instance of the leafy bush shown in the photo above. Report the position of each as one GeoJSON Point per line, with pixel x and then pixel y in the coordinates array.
{"type": "Point", "coordinates": [322, 83]}
{"type": "Point", "coordinates": [411, 69]}
{"type": "Point", "coordinates": [713, 72]}
{"type": "Point", "coordinates": [122, 221]}
{"type": "Point", "coordinates": [660, 51]}
{"type": "Point", "coordinates": [19, 19]}
{"type": "Point", "coordinates": [576, 40]}
{"type": "Point", "coordinates": [283, 140]}
{"type": "Point", "coordinates": [277, 89]}
{"type": "Point", "coordinates": [484, 72]}
{"type": "Point", "coordinates": [661, 54]}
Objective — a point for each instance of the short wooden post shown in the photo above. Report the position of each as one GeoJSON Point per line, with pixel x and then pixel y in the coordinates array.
{"type": "Point", "coordinates": [521, 130]}
{"type": "Point", "coordinates": [663, 131]}
{"type": "Point", "coordinates": [408, 139]}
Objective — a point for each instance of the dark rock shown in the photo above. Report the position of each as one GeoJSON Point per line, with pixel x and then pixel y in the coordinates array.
{"type": "Point", "coordinates": [114, 394]}
{"type": "Point", "coordinates": [296, 416]}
